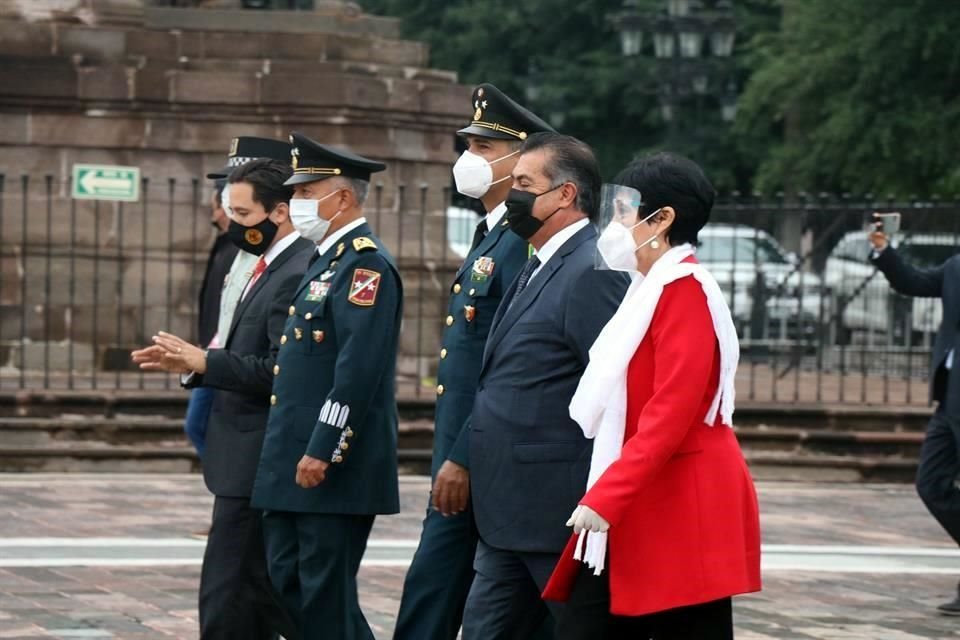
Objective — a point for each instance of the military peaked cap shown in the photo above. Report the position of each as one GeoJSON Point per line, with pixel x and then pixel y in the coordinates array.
{"type": "Point", "coordinates": [495, 115]}
{"type": "Point", "coordinates": [247, 148]}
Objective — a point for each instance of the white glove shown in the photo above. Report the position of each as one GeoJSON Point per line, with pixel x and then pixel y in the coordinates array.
{"type": "Point", "coordinates": [585, 518]}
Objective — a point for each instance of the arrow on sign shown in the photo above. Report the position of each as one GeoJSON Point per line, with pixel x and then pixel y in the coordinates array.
{"type": "Point", "coordinates": [91, 182]}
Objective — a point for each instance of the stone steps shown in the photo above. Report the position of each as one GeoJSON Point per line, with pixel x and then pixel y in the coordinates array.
{"type": "Point", "coordinates": [142, 430]}
{"type": "Point", "coordinates": [157, 444]}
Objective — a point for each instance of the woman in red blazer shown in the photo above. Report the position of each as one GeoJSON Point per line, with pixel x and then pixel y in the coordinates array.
{"type": "Point", "coordinates": [670, 522]}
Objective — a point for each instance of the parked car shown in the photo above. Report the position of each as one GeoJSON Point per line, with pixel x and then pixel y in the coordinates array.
{"type": "Point", "coordinates": [869, 305]}
{"type": "Point", "coordinates": [770, 295]}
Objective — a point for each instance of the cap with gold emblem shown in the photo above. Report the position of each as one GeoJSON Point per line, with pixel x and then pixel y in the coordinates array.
{"type": "Point", "coordinates": [247, 148]}
{"type": "Point", "coordinates": [313, 161]}
{"type": "Point", "coordinates": [495, 115]}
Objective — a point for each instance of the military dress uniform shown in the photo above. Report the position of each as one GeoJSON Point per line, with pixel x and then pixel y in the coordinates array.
{"type": "Point", "coordinates": [440, 575]}
{"type": "Point", "coordinates": [334, 400]}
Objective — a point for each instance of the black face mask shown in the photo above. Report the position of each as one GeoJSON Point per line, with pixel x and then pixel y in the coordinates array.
{"type": "Point", "coordinates": [520, 217]}
{"type": "Point", "coordinates": [253, 239]}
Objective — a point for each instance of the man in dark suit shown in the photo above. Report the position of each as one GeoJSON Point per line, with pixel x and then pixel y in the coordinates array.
{"type": "Point", "coordinates": [236, 596]}
{"type": "Point", "coordinates": [219, 293]}
{"type": "Point", "coordinates": [939, 469]}
{"type": "Point", "coordinates": [527, 457]}
{"type": "Point", "coordinates": [441, 573]}
{"type": "Point", "coordinates": [329, 462]}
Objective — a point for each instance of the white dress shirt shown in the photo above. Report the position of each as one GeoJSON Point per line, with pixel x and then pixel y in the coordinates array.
{"type": "Point", "coordinates": [495, 216]}
{"type": "Point", "coordinates": [552, 245]}
{"type": "Point", "coordinates": [332, 238]}
{"type": "Point", "coordinates": [275, 249]}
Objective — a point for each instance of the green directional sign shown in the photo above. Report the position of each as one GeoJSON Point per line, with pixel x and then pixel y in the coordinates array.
{"type": "Point", "coordinates": [106, 182]}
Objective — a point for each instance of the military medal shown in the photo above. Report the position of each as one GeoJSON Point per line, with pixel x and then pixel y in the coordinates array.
{"type": "Point", "coordinates": [317, 336]}
{"type": "Point", "coordinates": [317, 291]}
{"type": "Point", "coordinates": [469, 312]}
{"type": "Point", "coordinates": [341, 248]}
{"type": "Point", "coordinates": [482, 269]}
{"type": "Point", "coordinates": [326, 275]}
{"type": "Point", "coordinates": [298, 333]}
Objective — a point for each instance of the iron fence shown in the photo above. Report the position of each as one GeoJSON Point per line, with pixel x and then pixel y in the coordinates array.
{"type": "Point", "coordinates": [84, 282]}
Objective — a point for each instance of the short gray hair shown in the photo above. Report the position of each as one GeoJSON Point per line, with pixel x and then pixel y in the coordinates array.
{"type": "Point", "coordinates": [359, 188]}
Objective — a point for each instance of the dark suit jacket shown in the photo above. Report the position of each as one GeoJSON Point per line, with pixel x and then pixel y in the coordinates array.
{"type": "Point", "coordinates": [243, 371]}
{"type": "Point", "coordinates": [941, 282]}
{"type": "Point", "coordinates": [528, 459]}
{"type": "Point", "coordinates": [218, 265]}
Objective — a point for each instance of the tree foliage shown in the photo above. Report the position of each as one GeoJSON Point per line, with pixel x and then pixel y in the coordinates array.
{"type": "Point", "coordinates": [858, 95]}
{"type": "Point", "coordinates": [848, 95]}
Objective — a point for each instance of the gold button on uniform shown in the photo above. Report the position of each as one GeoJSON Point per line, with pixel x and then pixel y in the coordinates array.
{"type": "Point", "coordinates": [439, 389]}
{"type": "Point", "coordinates": [283, 339]}
{"type": "Point", "coordinates": [276, 369]}
{"type": "Point", "coordinates": [345, 446]}
{"type": "Point", "coordinates": [348, 432]}
{"type": "Point", "coordinates": [473, 292]}
{"type": "Point", "coordinates": [449, 321]}
{"type": "Point", "coordinates": [456, 288]}
{"type": "Point", "coordinates": [443, 353]}
{"type": "Point", "coordinates": [337, 459]}
{"type": "Point", "coordinates": [273, 399]}
{"type": "Point", "coordinates": [292, 310]}
{"type": "Point", "coordinates": [307, 316]}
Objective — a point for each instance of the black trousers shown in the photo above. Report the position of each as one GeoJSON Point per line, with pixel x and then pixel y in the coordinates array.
{"type": "Point", "coordinates": [505, 604]}
{"type": "Point", "coordinates": [707, 621]}
{"type": "Point", "coordinates": [313, 560]}
{"type": "Point", "coordinates": [237, 601]}
{"type": "Point", "coordinates": [939, 468]}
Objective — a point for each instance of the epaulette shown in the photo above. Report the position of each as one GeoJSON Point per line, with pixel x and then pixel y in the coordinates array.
{"type": "Point", "coordinates": [364, 244]}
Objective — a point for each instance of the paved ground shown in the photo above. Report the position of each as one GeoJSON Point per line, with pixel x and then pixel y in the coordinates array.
{"type": "Point", "coordinates": [111, 556]}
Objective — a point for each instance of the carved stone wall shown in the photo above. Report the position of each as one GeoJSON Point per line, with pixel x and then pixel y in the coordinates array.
{"type": "Point", "coordinates": [165, 89]}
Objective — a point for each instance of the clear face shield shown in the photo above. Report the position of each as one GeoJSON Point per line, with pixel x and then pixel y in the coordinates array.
{"type": "Point", "coordinates": [619, 214]}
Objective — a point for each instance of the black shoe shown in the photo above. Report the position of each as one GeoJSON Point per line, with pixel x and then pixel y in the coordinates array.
{"type": "Point", "coordinates": [951, 608]}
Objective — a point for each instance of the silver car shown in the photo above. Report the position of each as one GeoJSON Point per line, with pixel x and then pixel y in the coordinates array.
{"type": "Point", "coordinates": [869, 309]}
{"type": "Point", "coordinates": [770, 295]}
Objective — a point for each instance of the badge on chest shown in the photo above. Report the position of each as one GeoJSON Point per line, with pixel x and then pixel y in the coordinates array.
{"type": "Point", "coordinates": [317, 291]}
{"type": "Point", "coordinates": [482, 269]}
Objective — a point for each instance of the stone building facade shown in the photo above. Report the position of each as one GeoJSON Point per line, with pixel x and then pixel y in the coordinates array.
{"type": "Point", "coordinates": [165, 89]}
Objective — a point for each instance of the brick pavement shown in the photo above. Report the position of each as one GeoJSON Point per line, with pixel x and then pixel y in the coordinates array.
{"type": "Point", "coordinates": [134, 603]}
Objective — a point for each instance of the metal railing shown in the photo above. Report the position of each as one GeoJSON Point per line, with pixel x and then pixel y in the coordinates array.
{"type": "Point", "coordinates": [84, 282]}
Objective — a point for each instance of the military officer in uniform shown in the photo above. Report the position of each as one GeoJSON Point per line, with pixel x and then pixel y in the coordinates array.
{"type": "Point", "coordinates": [440, 575]}
{"type": "Point", "coordinates": [329, 462]}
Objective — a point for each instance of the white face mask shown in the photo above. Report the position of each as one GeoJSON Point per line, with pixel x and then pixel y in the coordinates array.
{"type": "Point", "coordinates": [304, 214]}
{"type": "Point", "coordinates": [617, 246]}
{"type": "Point", "coordinates": [474, 175]}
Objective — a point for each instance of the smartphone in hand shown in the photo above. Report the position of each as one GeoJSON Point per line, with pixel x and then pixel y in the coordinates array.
{"type": "Point", "coordinates": [888, 223]}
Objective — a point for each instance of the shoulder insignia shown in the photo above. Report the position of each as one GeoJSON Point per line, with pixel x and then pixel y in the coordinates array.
{"type": "Point", "coordinates": [363, 244]}
{"type": "Point", "coordinates": [364, 287]}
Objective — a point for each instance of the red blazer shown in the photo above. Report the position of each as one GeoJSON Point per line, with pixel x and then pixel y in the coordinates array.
{"type": "Point", "coordinates": [684, 522]}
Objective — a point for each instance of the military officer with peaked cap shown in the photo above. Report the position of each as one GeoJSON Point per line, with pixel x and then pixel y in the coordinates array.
{"type": "Point", "coordinates": [329, 461]}
{"type": "Point", "coordinates": [440, 575]}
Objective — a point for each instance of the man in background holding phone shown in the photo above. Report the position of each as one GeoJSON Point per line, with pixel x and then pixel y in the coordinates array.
{"type": "Point", "coordinates": [939, 470]}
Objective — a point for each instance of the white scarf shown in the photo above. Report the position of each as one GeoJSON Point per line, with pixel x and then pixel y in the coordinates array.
{"type": "Point", "coordinates": [600, 404]}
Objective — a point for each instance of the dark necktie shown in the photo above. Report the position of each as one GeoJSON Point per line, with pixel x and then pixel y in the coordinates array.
{"type": "Point", "coordinates": [479, 234]}
{"type": "Point", "coordinates": [313, 258]}
{"type": "Point", "coordinates": [524, 278]}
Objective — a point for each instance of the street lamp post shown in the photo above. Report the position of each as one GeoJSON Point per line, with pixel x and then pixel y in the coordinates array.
{"type": "Point", "coordinates": [692, 45]}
